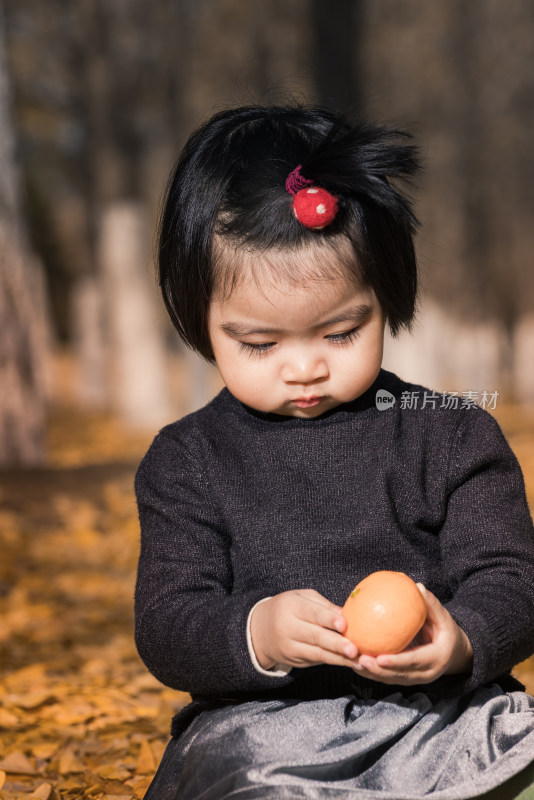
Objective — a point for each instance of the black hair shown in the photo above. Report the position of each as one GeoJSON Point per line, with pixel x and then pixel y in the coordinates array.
{"type": "Point", "coordinates": [228, 186]}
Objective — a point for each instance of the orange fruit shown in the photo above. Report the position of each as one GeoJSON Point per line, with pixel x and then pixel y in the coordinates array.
{"type": "Point", "coordinates": [385, 611]}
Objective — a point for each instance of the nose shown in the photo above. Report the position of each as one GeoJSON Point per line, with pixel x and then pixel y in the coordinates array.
{"type": "Point", "coordinates": [304, 365]}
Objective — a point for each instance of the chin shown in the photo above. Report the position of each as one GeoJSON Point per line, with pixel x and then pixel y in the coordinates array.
{"type": "Point", "coordinates": [309, 413]}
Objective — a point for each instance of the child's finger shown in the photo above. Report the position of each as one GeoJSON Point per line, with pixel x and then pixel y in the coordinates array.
{"type": "Point", "coordinates": [436, 612]}
{"type": "Point", "coordinates": [324, 614]}
{"type": "Point", "coordinates": [312, 654]}
{"type": "Point", "coordinates": [388, 670]}
{"type": "Point", "coordinates": [418, 664]}
{"type": "Point", "coordinates": [327, 640]}
{"type": "Point", "coordinates": [416, 658]}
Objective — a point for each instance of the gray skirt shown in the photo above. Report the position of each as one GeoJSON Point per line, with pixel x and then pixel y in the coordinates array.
{"type": "Point", "coordinates": [395, 748]}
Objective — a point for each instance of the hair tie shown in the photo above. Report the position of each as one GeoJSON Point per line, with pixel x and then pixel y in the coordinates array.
{"type": "Point", "coordinates": [315, 208]}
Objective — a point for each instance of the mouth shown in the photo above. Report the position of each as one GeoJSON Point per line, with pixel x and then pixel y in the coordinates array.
{"type": "Point", "coordinates": [307, 402]}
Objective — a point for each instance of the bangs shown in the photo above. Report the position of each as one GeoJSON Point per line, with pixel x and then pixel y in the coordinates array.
{"type": "Point", "coordinates": [324, 259]}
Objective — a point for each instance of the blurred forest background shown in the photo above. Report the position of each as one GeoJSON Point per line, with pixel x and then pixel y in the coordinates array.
{"type": "Point", "coordinates": [96, 99]}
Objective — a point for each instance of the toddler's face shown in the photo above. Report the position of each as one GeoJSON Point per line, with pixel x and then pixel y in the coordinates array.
{"type": "Point", "coordinates": [275, 345]}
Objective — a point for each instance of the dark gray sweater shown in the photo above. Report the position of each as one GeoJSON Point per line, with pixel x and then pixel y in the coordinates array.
{"type": "Point", "coordinates": [237, 504]}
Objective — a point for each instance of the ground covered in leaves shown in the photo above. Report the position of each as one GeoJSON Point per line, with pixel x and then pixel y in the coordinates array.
{"type": "Point", "coordinates": [80, 717]}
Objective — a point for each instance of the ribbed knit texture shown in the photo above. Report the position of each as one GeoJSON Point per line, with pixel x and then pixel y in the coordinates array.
{"type": "Point", "coordinates": [237, 504]}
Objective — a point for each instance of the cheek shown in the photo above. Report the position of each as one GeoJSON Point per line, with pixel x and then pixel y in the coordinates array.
{"type": "Point", "coordinates": [359, 361]}
{"type": "Point", "coordinates": [238, 367]}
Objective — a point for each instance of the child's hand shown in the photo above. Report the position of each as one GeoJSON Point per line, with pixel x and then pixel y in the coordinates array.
{"type": "Point", "coordinates": [441, 648]}
{"type": "Point", "coordinates": [300, 628]}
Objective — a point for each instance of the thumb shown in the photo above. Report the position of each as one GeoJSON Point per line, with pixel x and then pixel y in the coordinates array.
{"type": "Point", "coordinates": [435, 610]}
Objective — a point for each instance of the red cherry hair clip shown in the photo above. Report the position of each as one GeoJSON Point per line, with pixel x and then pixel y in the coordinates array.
{"type": "Point", "coordinates": [315, 208]}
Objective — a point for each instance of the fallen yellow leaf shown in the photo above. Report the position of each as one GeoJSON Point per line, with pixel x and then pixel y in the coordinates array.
{"type": "Point", "coordinates": [72, 784]}
{"type": "Point", "coordinates": [144, 681]}
{"type": "Point", "coordinates": [8, 720]}
{"type": "Point", "coordinates": [158, 748]}
{"type": "Point", "coordinates": [147, 711]}
{"type": "Point", "coordinates": [69, 714]}
{"type": "Point", "coordinates": [17, 764]}
{"type": "Point", "coordinates": [32, 699]}
{"type": "Point", "coordinates": [69, 763]}
{"type": "Point", "coordinates": [146, 764]}
{"type": "Point", "coordinates": [45, 750]}
{"type": "Point", "coordinates": [42, 792]}
{"type": "Point", "coordinates": [94, 789]}
{"type": "Point", "coordinates": [114, 772]}
{"type": "Point", "coordinates": [26, 678]}
{"type": "Point", "coordinates": [117, 797]}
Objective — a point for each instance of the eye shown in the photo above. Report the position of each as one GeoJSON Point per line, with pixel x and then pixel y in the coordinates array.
{"type": "Point", "coordinates": [344, 338]}
{"type": "Point", "coordinates": [257, 350]}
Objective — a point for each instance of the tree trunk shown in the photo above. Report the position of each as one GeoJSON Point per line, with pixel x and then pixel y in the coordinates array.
{"type": "Point", "coordinates": [136, 356]}
{"type": "Point", "coordinates": [24, 316]}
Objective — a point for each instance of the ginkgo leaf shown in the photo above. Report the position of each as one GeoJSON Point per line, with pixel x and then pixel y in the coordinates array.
{"type": "Point", "coordinates": [42, 792]}
{"type": "Point", "coordinates": [17, 764]}
{"type": "Point", "coordinates": [8, 720]}
{"type": "Point", "coordinates": [114, 772]}
{"type": "Point", "coordinates": [146, 764]}
{"type": "Point", "coordinates": [44, 750]}
{"type": "Point", "coordinates": [69, 763]}
{"type": "Point", "coordinates": [117, 797]}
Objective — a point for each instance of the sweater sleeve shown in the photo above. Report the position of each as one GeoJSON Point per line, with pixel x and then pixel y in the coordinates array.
{"type": "Point", "coordinates": [487, 548]}
{"type": "Point", "coordinates": [190, 628]}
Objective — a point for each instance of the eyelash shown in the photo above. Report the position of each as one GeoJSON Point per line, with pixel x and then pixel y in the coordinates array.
{"type": "Point", "coordinates": [340, 339]}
